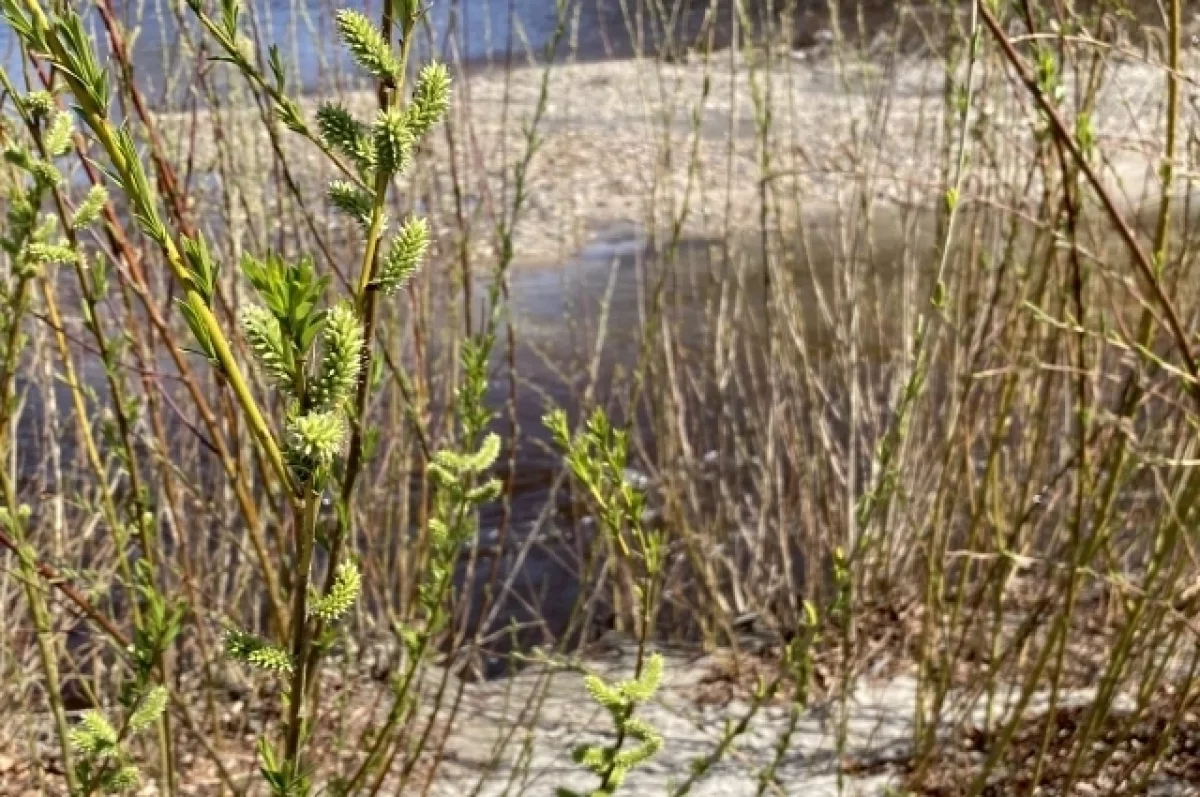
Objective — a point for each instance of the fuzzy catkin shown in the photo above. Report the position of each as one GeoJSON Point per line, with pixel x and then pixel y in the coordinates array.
{"type": "Point", "coordinates": [341, 363]}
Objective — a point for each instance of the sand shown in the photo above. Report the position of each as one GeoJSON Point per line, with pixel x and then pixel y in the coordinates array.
{"type": "Point", "coordinates": [677, 147]}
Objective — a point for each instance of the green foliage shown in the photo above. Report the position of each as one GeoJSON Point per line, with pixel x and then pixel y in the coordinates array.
{"type": "Point", "coordinates": [78, 60]}
{"type": "Point", "coordinates": [161, 623]}
{"type": "Point", "coordinates": [367, 44]}
{"type": "Point", "coordinates": [133, 181]}
{"type": "Point", "coordinates": [346, 586]}
{"type": "Point", "coordinates": [283, 778]}
{"type": "Point", "coordinates": [597, 457]}
{"type": "Point", "coordinates": [105, 764]}
{"type": "Point", "coordinates": [202, 270]}
{"type": "Point", "coordinates": [292, 292]}
{"type": "Point", "coordinates": [613, 762]}
{"type": "Point", "coordinates": [404, 255]}
{"type": "Point", "coordinates": [342, 360]}
{"type": "Point", "coordinates": [288, 112]}
{"type": "Point", "coordinates": [200, 332]}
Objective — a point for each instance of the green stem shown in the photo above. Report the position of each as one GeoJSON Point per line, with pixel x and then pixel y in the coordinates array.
{"type": "Point", "coordinates": [95, 118]}
{"type": "Point", "coordinates": [306, 524]}
{"type": "Point", "coordinates": [367, 300]}
{"type": "Point", "coordinates": [47, 652]}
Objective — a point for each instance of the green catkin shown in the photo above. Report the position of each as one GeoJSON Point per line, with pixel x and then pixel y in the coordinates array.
{"type": "Point", "coordinates": [431, 99]}
{"type": "Point", "coordinates": [403, 256]}
{"type": "Point", "coordinates": [367, 45]}
{"type": "Point", "coordinates": [342, 361]}
{"type": "Point", "coordinates": [312, 443]}
{"type": "Point", "coordinates": [265, 337]}
{"type": "Point", "coordinates": [393, 142]}
{"type": "Point", "coordinates": [346, 587]}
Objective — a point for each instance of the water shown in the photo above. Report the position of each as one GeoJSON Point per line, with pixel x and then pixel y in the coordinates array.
{"type": "Point", "coordinates": [163, 38]}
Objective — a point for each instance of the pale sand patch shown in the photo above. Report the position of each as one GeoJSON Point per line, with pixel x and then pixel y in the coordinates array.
{"type": "Point", "coordinates": [627, 143]}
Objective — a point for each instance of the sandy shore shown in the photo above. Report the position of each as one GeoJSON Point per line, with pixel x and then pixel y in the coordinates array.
{"type": "Point", "coordinates": [631, 143]}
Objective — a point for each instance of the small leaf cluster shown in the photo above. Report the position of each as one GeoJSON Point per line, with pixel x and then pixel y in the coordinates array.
{"type": "Point", "coordinates": [29, 236]}
{"type": "Point", "coordinates": [315, 380]}
{"type": "Point", "coordinates": [284, 779]}
{"type": "Point", "coordinates": [613, 762]}
{"type": "Point", "coordinates": [462, 484]}
{"type": "Point", "coordinates": [104, 764]}
{"type": "Point", "coordinates": [161, 623]}
{"type": "Point", "coordinates": [384, 148]}
{"type": "Point", "coordinates": [461, 490]}
{"type": "Point", "coordinates": [32, 240]}
{"type": "Point", "coordinates": [63, 39]}
{"type": "Point", "coordinates": [597, 457]}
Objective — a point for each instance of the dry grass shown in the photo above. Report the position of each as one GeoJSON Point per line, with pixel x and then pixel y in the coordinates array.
{"type": "Point", "coordinates": [1008, 460]}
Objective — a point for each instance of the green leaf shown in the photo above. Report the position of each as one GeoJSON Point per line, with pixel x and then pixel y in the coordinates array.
{"type": "Point", "coordinates": [275, 61]}
{"type": "Point", "coordinates": [288, 112]}
{"type": "Point", "coordinates": [137, 186]}
{"type": "Point", "coordinates": [199, 330]}
{"type": "Point", "coordinates": [24, 25]}
{"type": "Point", "coordinates": [202, 270]}
{"type": "Point", "coordinates": [230, 10]}
{"type": "Point", "coordinates": [292, 292]}
{"type": "Point", "coordinates": [79, 61]}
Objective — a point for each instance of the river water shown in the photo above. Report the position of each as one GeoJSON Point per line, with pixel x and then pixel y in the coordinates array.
{"type": "Point", "coordinates": [163, 35]}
